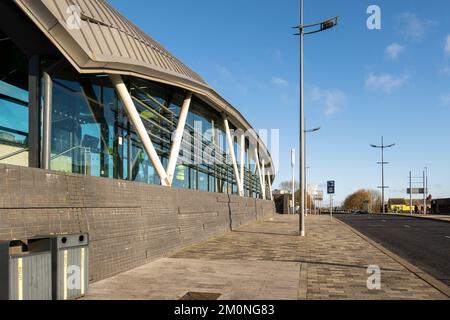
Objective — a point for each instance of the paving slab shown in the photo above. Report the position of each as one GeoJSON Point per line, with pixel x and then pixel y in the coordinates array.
{"type": "Point", "coordinates": [268, 260]}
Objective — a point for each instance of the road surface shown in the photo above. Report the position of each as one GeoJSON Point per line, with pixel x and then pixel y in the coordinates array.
{"type": "Point", "coordinates": [422, 242]}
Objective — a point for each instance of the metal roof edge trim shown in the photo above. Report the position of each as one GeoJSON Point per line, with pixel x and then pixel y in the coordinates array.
{"type": "Point", "coordinates": [151, 73]}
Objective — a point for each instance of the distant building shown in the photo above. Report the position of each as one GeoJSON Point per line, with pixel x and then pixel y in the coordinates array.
{"type": "Point", "coordinates": [277, 192]}
{"type": "Point", "coordinates": [282, 199]}
{"type": "Point", "coordinates": [400, 205]}
{"type": "Point", "coordinates": [440, 206]}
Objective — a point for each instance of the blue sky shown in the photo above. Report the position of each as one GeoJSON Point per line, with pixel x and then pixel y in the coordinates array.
{"type": "Point", "coordinates": [359, 83]}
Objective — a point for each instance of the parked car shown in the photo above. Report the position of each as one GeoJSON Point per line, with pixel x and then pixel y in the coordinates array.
{"type": "Point", "coordinates": [361, 212]}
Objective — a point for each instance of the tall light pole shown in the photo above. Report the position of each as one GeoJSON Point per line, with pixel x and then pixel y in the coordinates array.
{"type": "Point", "coordinates": [383, 187]}
{"type": "Point", "coordinates": [306, 175]}
{"type": "Point", "coordinates": [410, 193]}
{"type": "Point", "coordinates": [293, 179]}
{"type": "Point", "coordinates": [425, 191]}
{"type": "Point", "coordinates": [305, 30]}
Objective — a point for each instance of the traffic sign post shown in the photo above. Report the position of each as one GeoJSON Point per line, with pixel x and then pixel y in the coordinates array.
{"type": "Point", "coordinates": [318, 198]}
{"type": "Point", "coordinates": [331, 189]}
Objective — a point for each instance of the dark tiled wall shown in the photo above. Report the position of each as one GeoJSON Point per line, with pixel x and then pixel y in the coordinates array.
{"type": "Point", "coordinates": [129, 224]}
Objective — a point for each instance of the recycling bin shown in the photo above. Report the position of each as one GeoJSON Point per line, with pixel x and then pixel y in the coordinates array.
{"type": "Point", "coordinates": [70, 266]}
{"type": "Point", "coordinates": [25, 272]}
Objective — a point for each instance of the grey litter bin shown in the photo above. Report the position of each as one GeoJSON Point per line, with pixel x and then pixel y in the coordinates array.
{"type": "Point", "coordinates": [70, 266]}
{"type": "Point", "coordinates": [25, 271]}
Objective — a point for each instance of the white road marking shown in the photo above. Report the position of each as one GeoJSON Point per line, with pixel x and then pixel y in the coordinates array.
{"type": "Point", "coordinates": [406, 226]}
{"type": "Point", "coordinates": [448, 237]}
{"type": "Point", "coordinates": [383, 220]}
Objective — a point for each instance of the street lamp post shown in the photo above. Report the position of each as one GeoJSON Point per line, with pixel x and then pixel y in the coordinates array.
{"type": "Point", "coordinates": [306, 175]}
{"type": "Point", "coordinates": [305, 30]}
{"type": "Point", "coordinates": [425, 191]}
{"type": "Point", "coordinates": [383, 187]}
{"type": "Point", "coordinates": [293, 179]}
{"type": "Point", "coordinates": [410, 193]}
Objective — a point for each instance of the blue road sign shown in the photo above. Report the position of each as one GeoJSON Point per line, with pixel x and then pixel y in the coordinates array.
{"type": "Point", "coordinates": [331, 187]}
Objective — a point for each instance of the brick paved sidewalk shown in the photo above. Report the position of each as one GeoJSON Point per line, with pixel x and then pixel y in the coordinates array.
{"type": "Point", "coordinates": [267, 260]}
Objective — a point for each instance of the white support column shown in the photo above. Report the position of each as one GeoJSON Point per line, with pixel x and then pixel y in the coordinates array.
{"type": "Point", "coordinates": [259, 170]}
{"type": "Point", "coordinates": [233, 157]}
{"type": "Point", "coordinates": [141, 131]}
{"type": "Point", "coordinates": [178, 137]}
{"type": "Point", "coordinates": [270, 187]}
{"type": "Point", "coordinates": [47, 121]}
{"type": "Point", "coordinates": [241, 156]}
{"type": "Point", "coordinates": [264, 178]}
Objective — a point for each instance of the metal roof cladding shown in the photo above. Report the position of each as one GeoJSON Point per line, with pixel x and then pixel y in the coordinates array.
{"type": "Point", "coordinates": [107, 42]}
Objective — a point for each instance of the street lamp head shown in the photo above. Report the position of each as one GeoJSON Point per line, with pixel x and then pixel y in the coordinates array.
{"type": "Point", "coordinates": [328, 24]}
{"type": "Point", "coordinates": [313, 130]}
{"type": "Point", "coordinates": [374, 146]}
{"type": "Point", "coordinates": [391, 145]}
{"type": "Point", "coordinates": [317, 27]}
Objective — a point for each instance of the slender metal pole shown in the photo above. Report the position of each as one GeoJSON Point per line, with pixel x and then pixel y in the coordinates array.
{"type": "Point", "coordinates": [302, 134]}
{"type": "Point", "coordinates": [424, 195]}
{"type": "Point", "coordinates": [293, 180]}
{"type": "Point", "coordinates": [410, 193]}
{"type": "Point", "coordinates": [47, 121]}
{"type": "Point", "coordinates": [382, 175]}
{"type": "Point", "coordinates": [426, 189]}
{"type": "Point", "coordinates": [383, 187]}
{"type": "Point", "coordinates": [331, 206]}
{"type": "Point", "coordinates": [306, 174]}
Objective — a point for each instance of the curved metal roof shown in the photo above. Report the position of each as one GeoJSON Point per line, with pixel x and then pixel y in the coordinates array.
{"type": "Point", "coordinates": [107, 42]}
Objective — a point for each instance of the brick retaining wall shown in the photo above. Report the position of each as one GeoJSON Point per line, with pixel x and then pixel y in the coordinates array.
{"type": "Point", "coordinates": [129, 223]}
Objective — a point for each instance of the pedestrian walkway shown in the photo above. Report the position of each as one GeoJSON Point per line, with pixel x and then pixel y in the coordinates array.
{"type": "Point", "coordinates": [267, 260]}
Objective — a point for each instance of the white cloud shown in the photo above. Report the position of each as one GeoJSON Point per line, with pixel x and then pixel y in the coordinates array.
{"type": "Point", "coordinates": [223, 72]}
{"type": "Point", "coordinates": [447, 46]}
{"type": "Point", "coordinates": [275, 54]}
{"type": "Point", "coordinates": [446, 71]}
{"type": "Point", "coordinates": [411, 27]}
{"type": "Point", "coordinates": [332, 100]}
{"type": "Point", "coordinates": [445, 99]}
{"type": "Point", "coordinates": [385, 82]}
{"type": "Point", "coordinates": [394, 50]}
{"type": "Point", "coordinates": [280, 82]}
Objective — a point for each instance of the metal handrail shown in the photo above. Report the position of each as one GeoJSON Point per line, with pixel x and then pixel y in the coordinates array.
{"type": "Point", "coordinates": [15, 153]}
{"type": "Point", "coordinates": [69, 150]}
{"type": "Point", "coordinates": [86, 152]}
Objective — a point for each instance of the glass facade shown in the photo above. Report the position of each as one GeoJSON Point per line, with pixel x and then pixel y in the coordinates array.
{"type": "Point", "coordinates": [92, 135]}
{"type": "Point", "coordinates": [13, 104]}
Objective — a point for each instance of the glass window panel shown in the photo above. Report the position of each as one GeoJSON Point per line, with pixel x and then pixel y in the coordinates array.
{"type": "Point", "coordinates": [211, 186]}
{"type": "Point", "coordinates": [202, 181]}
{"type": "Point", "coordinates": [181, 177]}
{"type": "Point", "coordinates": [13, 104]}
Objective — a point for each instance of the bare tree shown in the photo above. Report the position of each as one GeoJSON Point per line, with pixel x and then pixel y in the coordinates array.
{"type": "Point", "coordinates": [287, 185]}
{"type": "Point", "coordinates": [363, 200]}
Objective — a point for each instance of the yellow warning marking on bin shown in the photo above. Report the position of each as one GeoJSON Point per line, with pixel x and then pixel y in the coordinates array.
{"type": "Point", "coordinates": [82, 271]}
{"type": "Point", "coordinates": [65, 275]}
{"type": "Point", "coordinates": [19, 279]}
